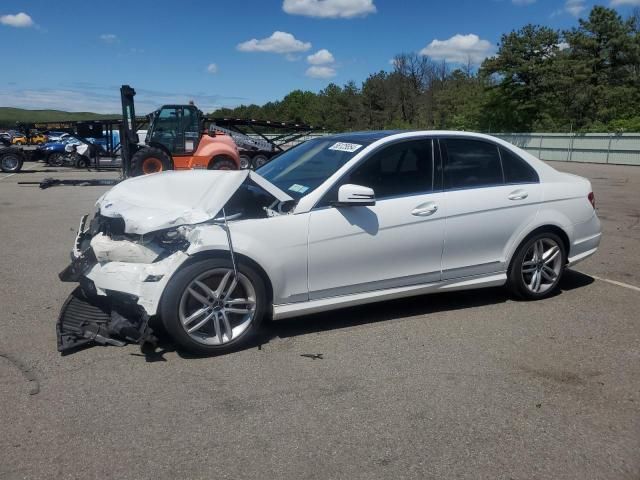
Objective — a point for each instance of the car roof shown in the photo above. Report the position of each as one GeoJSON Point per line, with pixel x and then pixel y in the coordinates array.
{"type": "Point", "coordinates": [372, 136]}
{"type": "Point", "coordinates": [366, 136]}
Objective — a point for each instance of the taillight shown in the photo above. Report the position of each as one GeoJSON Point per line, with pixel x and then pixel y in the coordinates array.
{"type": "Point", "coordinates": [592, 200]}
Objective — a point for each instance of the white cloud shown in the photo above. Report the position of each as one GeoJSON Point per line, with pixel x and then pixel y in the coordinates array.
{"type": "Point", "coordinates": [459, 49]}
{"type": "Point", "coordinates": [523, 2]}
{"type": "Point", "coordinates": [574, 7]}
{"type": "Point", "coordinates": [617, 3]}
{"type": "Point", "coordinates": [563, 46]}
{"type": "Point", "coordinates": [321, 57]}
{"type": "Point", "coordinates": [317, 71]}
{"type": "Point", "coordinates": [212, 68]}
{"type": "Point", "coordinates": [109, 38]}
{"type": "Point", "coordinates": [278, 42]}
{"type": "Point", "coordinates": [329, 8]}
{"type": "Point", "coordinates": [19, 20]}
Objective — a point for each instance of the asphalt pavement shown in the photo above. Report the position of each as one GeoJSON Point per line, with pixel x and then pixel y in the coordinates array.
{"type": "Point", "coordinates": [459, 385]}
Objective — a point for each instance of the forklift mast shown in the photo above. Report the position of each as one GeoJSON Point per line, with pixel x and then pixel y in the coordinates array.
{"type": "Point", "coordinates": [128, 137]}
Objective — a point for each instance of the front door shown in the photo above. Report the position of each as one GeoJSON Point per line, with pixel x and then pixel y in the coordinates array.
{"type": "Point", "coordinates": [397, 242]}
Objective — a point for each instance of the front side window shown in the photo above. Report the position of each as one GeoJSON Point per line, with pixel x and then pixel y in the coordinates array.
{"type": "Point", "coordinates": [402, 169]}
{"type": "Point", "coordinates": [304, 168]}
{"type": "Point", "coordinates": [517, 170]}
{"type": "Point", "coordinates": [471, 163]}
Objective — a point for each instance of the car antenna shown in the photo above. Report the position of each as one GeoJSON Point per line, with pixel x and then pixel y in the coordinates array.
{"type": "Point", "coordinates": [231, 252]}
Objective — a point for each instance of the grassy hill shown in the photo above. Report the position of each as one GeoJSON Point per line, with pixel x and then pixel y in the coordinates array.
{"type": "Point", "coordinates": [9, 116]}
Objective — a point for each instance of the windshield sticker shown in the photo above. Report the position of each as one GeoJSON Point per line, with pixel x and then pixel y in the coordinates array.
{"type": "Point", "coordinates": [298, 188]}
{"type": "Point", "coordinates": [345, 147]}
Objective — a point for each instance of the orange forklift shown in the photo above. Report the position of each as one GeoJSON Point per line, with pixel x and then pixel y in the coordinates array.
{"type": "Point", "coordinates": [176, 140]}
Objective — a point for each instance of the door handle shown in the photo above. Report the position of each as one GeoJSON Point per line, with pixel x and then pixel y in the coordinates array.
{"type": "Point", "coordinates": [425, 209]}
{"type": "Point", "coordinates": [518, 195]}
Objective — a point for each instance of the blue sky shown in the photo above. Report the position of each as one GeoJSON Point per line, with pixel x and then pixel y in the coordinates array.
{"type": "Point", "coordinates": [74, 55]}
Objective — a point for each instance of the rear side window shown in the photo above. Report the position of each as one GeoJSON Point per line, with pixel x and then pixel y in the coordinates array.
{"type": "Point", "coordinates": [471, 164]}
{"type": "Point", "coordinates": [516, 169]}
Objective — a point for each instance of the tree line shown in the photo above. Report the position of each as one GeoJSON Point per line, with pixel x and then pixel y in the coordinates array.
{"type": "Point", "coordinates": [586, 78]}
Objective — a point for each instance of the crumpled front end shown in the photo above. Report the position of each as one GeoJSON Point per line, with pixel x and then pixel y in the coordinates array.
{"type": "Point", "coordinates": [121, 279]}
{"type": "Point", "coordinates": [141, 235]}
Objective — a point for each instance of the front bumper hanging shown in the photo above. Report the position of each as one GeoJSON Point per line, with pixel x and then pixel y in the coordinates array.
{"type": "Point", "coordinates": [87, 319]}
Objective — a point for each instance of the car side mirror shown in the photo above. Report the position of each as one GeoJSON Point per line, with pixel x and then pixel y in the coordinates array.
{"type": "Point", "coordinates": [355, 195]}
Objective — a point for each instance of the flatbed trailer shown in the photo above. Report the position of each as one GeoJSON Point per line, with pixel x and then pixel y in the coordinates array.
{"type": "Point", "coordinates": [258, 140]}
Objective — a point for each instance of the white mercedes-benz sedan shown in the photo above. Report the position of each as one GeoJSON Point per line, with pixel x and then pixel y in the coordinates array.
{"type": "Point", "coordinates": [337, 221]}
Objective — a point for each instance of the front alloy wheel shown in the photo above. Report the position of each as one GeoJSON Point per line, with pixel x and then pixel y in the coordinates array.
{"type": "Point", "coordinates": [207, 309]}
{"type": "Point", "coordinates": [537, 266]}
{"type": "Point", "coordinates": [217, 307]}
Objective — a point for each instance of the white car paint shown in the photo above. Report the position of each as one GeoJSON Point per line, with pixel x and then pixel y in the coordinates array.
{"type": "Point", "coordinates": [318, 259]}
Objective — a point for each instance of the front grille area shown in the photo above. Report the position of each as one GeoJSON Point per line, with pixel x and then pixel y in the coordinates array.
{"type": "Point", "coordinates": [109, 226]}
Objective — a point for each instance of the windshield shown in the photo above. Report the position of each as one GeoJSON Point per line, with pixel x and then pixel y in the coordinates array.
{"type": "Point", "coordinates": [302, 169]}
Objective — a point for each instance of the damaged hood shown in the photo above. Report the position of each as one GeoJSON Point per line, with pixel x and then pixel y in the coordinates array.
{"type": "Point", "coordinates": [170, 199]}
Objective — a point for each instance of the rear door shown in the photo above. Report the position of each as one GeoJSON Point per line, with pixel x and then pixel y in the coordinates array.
{"type": "Point", "coordinates": [491, 196]}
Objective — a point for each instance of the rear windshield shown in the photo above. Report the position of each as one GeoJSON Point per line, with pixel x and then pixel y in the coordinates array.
{"type": "Point", "coordinates": [302, 169]}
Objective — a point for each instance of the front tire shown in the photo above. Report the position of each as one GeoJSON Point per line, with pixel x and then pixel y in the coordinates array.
{"type": "Point", "coordinates": [149, 160]}
{"type": "Point", "coordinates": [56, 159]}
{"type": "Point", "coordinates": [537, 266]}
{"type": "Point", "coordinates": [207, 311]}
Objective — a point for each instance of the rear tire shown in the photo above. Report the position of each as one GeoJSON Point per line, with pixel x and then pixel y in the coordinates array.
{"type": "Point", "coordinates": [537, 266]}
{"type": "Point", "coordinates": [245, 161]}
{"type": "Point", "coordinates": [82, 162]}
{"type": "Point", "coordinates": [150, 160]}
{"type": "Point", "coordinates": [259, 160]}
{"type": "Point", "coordinates": [189, 302]}
{"type": "Point", "coordinates": [222, 163]}
{"type": "Point", "coordinates": [11, 162]}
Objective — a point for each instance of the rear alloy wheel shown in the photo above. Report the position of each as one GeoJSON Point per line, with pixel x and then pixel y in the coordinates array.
{"type": "Point", "coordinates": [538, 266]}
{"type": "Point", "coordinates": [56, 159]}
{"type": "Point", "coordinates": [207, 309]}
{"type": "Point", "coordinates": [222, 163]}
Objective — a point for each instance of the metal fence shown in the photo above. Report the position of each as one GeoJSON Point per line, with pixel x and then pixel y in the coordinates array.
{"type": "Point", "coordinates": [614, 148]}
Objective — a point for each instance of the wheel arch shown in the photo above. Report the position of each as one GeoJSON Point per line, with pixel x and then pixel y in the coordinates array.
{"type": "Point", "coordinates": [206, 254]}
{"type": "Point", "coordinates": [221, 156]}
{"type": "Point", "coordinates": [549, 227]}
{"type": "Point", "coordinates": [213, 148]}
